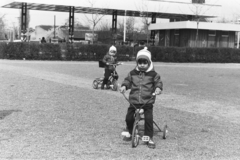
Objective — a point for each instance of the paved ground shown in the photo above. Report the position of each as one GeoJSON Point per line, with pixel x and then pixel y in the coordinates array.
{"type": "Point", "coordinates": [46, 109]}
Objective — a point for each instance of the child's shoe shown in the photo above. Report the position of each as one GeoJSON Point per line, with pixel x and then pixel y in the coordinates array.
{"type": "Point", "coordinates": [126, 136]}
{"type": "Point", "coordinates": [151, 144]}
{"type": "Point", "coordinates": [127, 139]}
{"type": "Point", "coordinates": [102, 86]}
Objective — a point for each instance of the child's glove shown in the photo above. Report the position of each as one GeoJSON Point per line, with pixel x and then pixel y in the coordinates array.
{"type": "Point", "coordinates": [122, 89]}
{"type": "Point", "coordinates": [158, 91]}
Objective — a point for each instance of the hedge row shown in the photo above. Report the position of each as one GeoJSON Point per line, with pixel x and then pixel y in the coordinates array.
{"type": "Point", "coordinates": [30, 51]}
{"type": "Point", "coordinates": [48, 51]}
{"type": "Point", "coordinates": [206, 55]}
{"type": "Point", "coordinates": [78, 52]}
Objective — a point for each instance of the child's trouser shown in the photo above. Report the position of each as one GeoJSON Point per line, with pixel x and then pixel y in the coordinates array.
{"type": "Point", "coordinates": [107, 74]}
{"type": "Point", "coordinates": [148, 117]}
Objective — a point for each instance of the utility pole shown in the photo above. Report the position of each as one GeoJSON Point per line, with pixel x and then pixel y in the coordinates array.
{"type": "Point", "coordinates": [238, 39]}
{"type": "Point", "coordinates": [54, 26]}
{"type": "Point", "coordinates": [124, 30]}
{"type": "Point", "coordinates": [238, 34]}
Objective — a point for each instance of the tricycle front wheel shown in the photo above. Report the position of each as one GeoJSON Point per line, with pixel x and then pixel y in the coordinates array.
{"type": "Point", "coordinates": [135, 136]}
{"type": "Point", "coordinates": [95, 84]}
{"type": "Point", "coordinates": [115, 85]}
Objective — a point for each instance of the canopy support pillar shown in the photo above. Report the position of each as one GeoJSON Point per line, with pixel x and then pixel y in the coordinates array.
{"type": "Point", "coordinates": [71, 24]}
{"type": "Point", "coordinates": [114, 26]}
{"type": "Point", "coordinates": [24, 22]}
{"type": "Point", "coordinates": [153, 32]}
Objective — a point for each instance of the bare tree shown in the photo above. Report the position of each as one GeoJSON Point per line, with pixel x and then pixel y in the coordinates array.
{"type": "Point", "coordinates": [104, 26]}
{"type": "Point", "coordinates": [199, 9]}
{"type": "Point", "coordinates": [15, 31]}
{"type": "Point", "coordinates": [234, 19]}
{"type": "Point", "coordinates": [130, 22]}
{"type": "Point", "coordinates": [95, 17]}
{"type": "Point", "coordinates": [2, 27]}
{"type": "Point", "coordinates": [145, 15]}
{"type": "Point", "coordinates": [121, 26]}
{"type": "Point", "coordinates": [2, 23]}
{"type": "Point", "coordinates": [223, 20]}
{"type": "Point", "coordinates": [77, 24]}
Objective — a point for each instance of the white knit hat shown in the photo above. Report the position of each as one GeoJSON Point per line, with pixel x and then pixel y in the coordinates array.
{"type": "Point", "coordinates": [112, 48]}
{"type": "Point", "coordinates": [145, 54]}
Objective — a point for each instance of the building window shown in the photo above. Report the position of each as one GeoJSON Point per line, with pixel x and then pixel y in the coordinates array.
{"type": "Point", "coordinates": [211, 33]}
{"type": "Point", "coordinates": [176, 32]}
{"type": "Point", "coordinates": [225, 33]}
{"type": "Point", "coordinates": [211, 38]}
{"type": "Point", "coordinates": [176, 38]}
{"type": "Point", "coordinates": [224, 39]}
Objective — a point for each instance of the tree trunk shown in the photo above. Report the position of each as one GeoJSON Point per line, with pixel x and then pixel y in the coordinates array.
{"type": "Point", "coordinates": [147, 37]}
{"type": "Point", "coordinates": [93, 34]}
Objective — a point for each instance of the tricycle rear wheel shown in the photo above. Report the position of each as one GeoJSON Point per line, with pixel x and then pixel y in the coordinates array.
{"type": "Point", "coordinates": [165, 131]}
{"type": "Point", "coordinates": [115, 85]}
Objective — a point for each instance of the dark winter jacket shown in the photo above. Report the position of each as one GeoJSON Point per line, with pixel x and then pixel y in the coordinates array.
{"type": "Point", "coordinates": [142, 85]}
{"type": "Point", "coordinates": [111, 60]}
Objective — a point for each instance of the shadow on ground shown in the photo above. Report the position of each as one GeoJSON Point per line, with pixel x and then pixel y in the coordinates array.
{"type": "Point", "coordinates": [5, 113]}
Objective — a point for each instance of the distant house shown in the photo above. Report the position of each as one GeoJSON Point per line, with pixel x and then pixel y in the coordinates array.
{"type": "Point", "coordinates": [48, 32]}
{"type": "Point", "coordinates": [81, 34]}
{"type": "Point", "coordinates": [60, 33]}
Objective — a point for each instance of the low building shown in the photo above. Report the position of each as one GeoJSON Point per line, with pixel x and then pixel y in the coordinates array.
{"type": "Point", "coordinates": [193, 34]}
{"type": "Point", "coordinates": [48, 32]}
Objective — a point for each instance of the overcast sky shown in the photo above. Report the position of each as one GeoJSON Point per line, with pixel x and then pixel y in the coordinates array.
{"type": "Point", "coordinates": [230, 9]}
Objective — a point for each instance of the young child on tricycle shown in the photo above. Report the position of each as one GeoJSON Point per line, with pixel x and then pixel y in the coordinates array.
{"type": "Point", "coordinates": [109, 63]}
{"type": "Point", "coordinates": [143, 81]}
{"type": "Point", "coordinates": [109, 59]}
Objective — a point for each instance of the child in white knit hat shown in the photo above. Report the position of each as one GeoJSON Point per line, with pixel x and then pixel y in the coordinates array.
{"type": "Point", "coordinates": [143, 82]}
{"type": "Point", "coordinates": [108, 59]}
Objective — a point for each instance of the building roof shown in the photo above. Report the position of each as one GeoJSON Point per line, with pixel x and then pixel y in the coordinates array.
{"type": "Point", "coordinates": [193, 25]}
{"type": "Point", "coordinates": [136, 8]}
{"type": "Point", "coordinates": [46, 27]}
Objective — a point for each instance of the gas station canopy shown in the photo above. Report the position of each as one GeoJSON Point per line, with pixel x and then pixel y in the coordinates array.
{"type": "Point", "coordinates": [135, 8]}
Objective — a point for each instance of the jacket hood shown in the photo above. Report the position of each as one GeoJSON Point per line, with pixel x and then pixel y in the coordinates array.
{"type": "Point", "coordinates": [145, 54]}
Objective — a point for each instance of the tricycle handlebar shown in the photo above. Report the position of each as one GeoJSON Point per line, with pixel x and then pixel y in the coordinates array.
{"type": "Point", "coordinates": [115, 64]}
{"type": "Point", "coordinates": [153, 95]}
